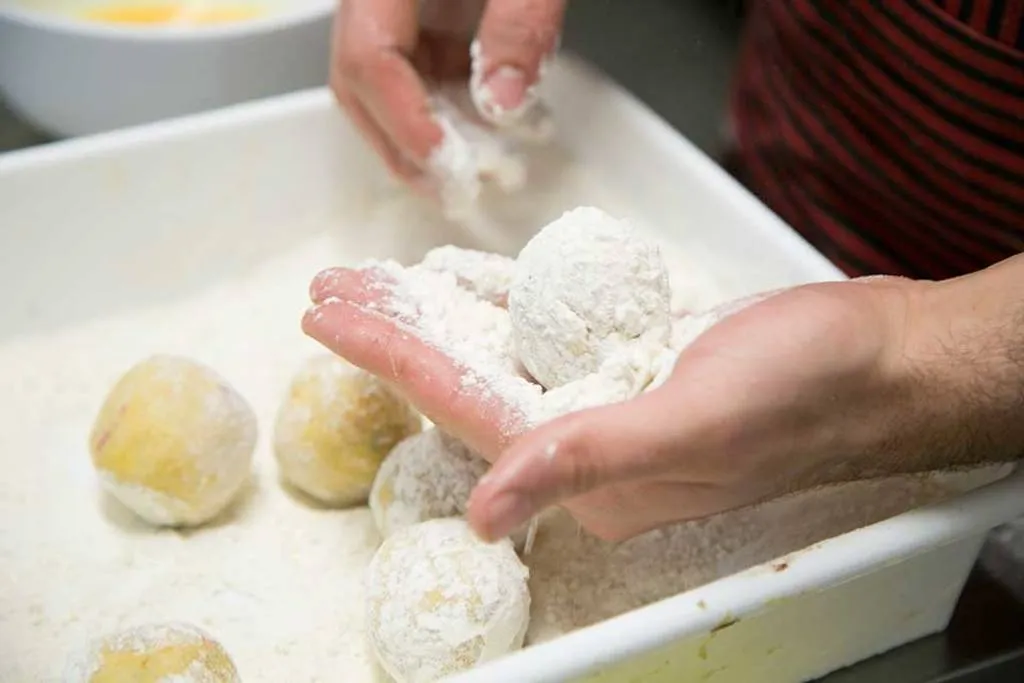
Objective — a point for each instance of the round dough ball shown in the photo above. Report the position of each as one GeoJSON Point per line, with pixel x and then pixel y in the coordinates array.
{"type": "Point", "coordinates": [427, 476]}
{"type": "Point", "coordinates": [334, 428]}
{"type": "Point", "coordinates": [154, 653]}
{"type": "Point", "coordinates": [173, 441]}
{"type": "Point", "coordinates": [440, 601]}
{"type": "Point", "coordinates": [587, 287]}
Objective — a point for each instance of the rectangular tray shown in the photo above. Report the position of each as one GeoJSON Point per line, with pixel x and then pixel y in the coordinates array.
{"type": "Point", "coordinates": [94, 227]}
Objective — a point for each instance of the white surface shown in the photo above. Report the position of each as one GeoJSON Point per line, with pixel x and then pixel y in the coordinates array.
{"type": "Point", "coordinates": [200, 237]}
{"type": "Point", "coordinates": [73, 77]}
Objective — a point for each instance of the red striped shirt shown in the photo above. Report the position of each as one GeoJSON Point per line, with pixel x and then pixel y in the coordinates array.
{"type": "Point", "coordinates": [890, 133]}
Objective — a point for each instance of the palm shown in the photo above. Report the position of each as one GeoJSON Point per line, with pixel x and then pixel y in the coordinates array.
{"type": "Point", "coordinates": [774, 368]}
{"type": "Point", "coordinates": [746, 414]}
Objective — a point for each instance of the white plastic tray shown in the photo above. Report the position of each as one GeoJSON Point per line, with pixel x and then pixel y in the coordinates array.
{"type": "Point", "coordinates": [92, 228]}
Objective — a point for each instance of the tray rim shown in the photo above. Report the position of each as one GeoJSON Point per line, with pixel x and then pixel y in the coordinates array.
{"type": "Point", "coordinates": [818, 566]}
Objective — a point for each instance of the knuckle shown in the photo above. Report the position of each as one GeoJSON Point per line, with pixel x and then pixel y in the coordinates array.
{"type": "Point", "coordinates": [354, 68]}
{"type": "Point", "coordinates": [521, 35]}
{"type": "Point", "coordinates": [353, 63]}
{"type": "Point", "coordinates": [529, 28]}
{"type": "Point", "coordinates": [399, 364]}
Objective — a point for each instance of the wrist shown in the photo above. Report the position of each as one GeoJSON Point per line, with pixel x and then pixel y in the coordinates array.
{"type": "Point", "coordinates": [962, 361]}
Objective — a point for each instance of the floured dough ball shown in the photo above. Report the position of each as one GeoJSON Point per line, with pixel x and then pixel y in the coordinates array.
{"type": "Point", "coordinates": [440, 601]}
{"type": "Point", "coordinates": [428, 476]}
{"type": "Point", "coordinates": [154, 653]}
{"type": "Point", "coordinates": [587, 287]}
{"type": "Point", "coordinates": [173, 441]}
{"type": "Point", "coordinates": [334, 428]}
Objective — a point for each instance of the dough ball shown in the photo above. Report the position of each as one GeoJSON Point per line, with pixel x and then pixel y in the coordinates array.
{"type": "Point", "coordinates": [334, 428]}
{"type": "Point", "coordinates": [154, 653]}
{"type": "Point", "coordinates": [587, 287]}
{"type": "Point", "coordinates": [427, 476]}
{"type": "Point", "coordinates": [440, 601]}
{"type": "Point", "coordinates": [173, 441]}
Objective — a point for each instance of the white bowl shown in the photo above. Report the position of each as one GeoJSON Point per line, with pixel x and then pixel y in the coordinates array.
{"type": "Point", "coordinates": [71, 76]}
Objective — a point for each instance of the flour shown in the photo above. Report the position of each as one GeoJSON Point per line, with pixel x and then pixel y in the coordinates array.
{"type": "Point", "coordinates": [475, 333]}
{"type": "Point", "coordinates": [439, 601]}
{"type": "Point", "coordinates": [577, 580]}
{"type": "Point", "coordinates": [486, 274]}
{"type": "Point", "coordinates": [622, 377]}
{"type": "Point", "coordinates": [469, 154]}
{"type": "Point", "coordinates": [472, 152]}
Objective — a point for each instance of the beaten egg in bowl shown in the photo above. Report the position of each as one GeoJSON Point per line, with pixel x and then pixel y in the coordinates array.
{"type": "Point", "coordinates": [170, 13]}
{"type": "Point", "coordinates": [78, 67]}
{"type": "Point", "coordinates": [142, 13]}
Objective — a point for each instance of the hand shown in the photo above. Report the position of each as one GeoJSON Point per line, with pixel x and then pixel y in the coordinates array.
{"type": "Point", "coordinates": [813, 385]}
{"type": "Point", "coordinates": [384, 50]}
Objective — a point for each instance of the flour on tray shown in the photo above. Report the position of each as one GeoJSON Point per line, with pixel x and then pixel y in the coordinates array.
{"type": "Point", "coordinates": [278, 582]}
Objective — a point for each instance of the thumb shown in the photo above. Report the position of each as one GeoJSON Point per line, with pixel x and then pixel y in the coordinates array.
{"type": "Point", "coordinates": [514, 39]}
{"type": "Point", "coordinates": [570, 456]}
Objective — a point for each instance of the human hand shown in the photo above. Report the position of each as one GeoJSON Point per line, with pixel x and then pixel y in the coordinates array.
{"type": "Point", "coordinates": [812, 385]}
{"type": "Point", "coordinates": [384, 52]}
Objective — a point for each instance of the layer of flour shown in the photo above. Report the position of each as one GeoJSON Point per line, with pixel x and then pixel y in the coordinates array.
{"type": "Point", "coordinates": [277, 581]}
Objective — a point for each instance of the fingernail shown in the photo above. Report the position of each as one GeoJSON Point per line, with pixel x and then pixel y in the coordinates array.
{"type": "Point", "coordinates": [324, 281]}
{"type": "Point", "coordinates": [505, 513]}
{"type": "Point", "coordinates": [311, 326]}
{"type": "Point", "coordinates": [505, 90]}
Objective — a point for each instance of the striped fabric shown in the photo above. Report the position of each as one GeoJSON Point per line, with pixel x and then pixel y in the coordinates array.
{"type": "Point", "coordinates": [890, 133]}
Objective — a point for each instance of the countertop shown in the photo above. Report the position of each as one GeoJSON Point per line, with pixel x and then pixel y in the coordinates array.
{"type": "Point", "coordinates": [677, 56]}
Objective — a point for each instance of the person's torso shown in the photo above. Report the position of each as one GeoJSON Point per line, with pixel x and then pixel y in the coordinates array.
{"type": "Point", "coordinates": [890, 133]}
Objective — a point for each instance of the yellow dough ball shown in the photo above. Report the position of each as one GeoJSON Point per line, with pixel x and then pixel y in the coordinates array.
{"type": "Point", "coordinates": [154, 653]}
{"type": "Point", "coordinates": [335, 427]}
{"type": "Point", "coordinates": [173, 441]}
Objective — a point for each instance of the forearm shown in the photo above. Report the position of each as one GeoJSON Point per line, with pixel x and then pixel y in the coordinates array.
{"type": "Point", "coordinates": [964, 346]}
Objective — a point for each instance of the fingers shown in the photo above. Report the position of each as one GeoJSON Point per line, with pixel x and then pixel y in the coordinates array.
{"type": "Point", "coordinates": [442, 58]}
{"type": "Point", "coordinates": [574, 455]}
{"type": "Point", "coordinates": [370, 67]}
{"type": "Point", "coordinates": [363, 287]}
{"type": "Point", "coordinates": [514, 39]}
{"type": "Point", "coordinates": [446, 17]}
{"type": "Point", "coordinates": [428, 379]}
{"type": "Point", "coordinates": [357, 316]}
{"type": "Point", "coordinates": [396, 161]}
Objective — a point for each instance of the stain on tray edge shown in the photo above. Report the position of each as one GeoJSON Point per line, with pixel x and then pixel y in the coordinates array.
{"type": "Point", "coordinates": [724, 624]}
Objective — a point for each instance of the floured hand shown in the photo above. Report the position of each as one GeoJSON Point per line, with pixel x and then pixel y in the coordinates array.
{"type": "Point", "coordinates": [439, 332]}
{"type": "Point", "coordinates": [388, 56]}
{"type": "Point", "coordinates": [771, 394]}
